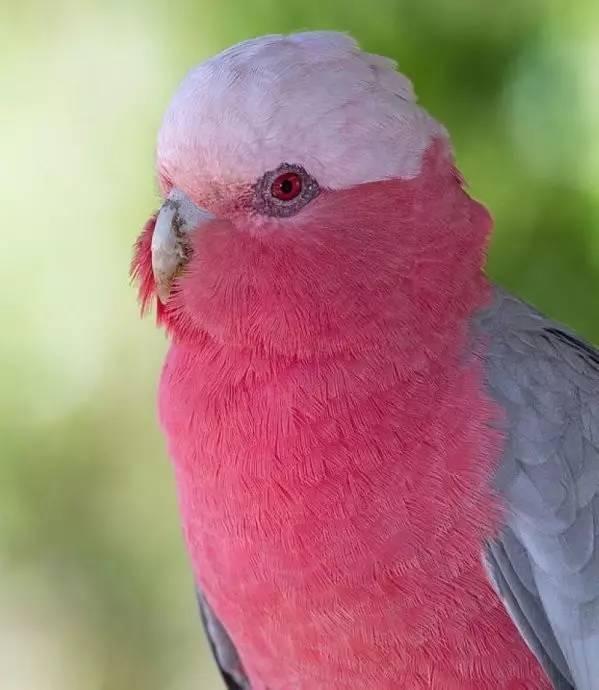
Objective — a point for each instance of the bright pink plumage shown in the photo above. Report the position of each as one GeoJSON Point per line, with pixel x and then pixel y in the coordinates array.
{"type": "Point", "coordinates": [333, 444]}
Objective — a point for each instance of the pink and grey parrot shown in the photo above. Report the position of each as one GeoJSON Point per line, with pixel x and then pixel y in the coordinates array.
{"type": "Point", "coordinates": [387, 467]}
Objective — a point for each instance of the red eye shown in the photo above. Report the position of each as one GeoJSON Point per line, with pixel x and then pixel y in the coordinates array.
{"type": "Point", "coordinates": [286, 186]}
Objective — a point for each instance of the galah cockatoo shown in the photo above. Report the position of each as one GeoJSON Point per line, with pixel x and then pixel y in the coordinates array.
{"type": "Point", "coordinates": [387, 467]}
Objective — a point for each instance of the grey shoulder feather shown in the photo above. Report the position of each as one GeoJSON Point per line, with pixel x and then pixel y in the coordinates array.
{"type": "Point", "coordinates": [545, 563]}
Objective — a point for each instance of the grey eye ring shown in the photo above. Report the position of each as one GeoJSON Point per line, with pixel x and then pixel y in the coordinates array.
{"type": "Point", "coordinates": [282, 192]}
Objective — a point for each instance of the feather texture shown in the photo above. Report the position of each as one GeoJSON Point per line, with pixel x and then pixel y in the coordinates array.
{"type": "Point", "coordinates": [348, 437]}
{"type": "Point", "coordinates": [333, 442]}
{"type": "Point", "coordinates": [546, 561]}
{"type": "Point", "coordinates": [313, 99]}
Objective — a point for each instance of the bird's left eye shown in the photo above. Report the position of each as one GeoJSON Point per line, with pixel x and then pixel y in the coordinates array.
{"type": "Point", "coordinates": [284, 191]}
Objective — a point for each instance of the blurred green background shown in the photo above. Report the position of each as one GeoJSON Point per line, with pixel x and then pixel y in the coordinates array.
{"type": "Point", "coordinates": [95, 591]}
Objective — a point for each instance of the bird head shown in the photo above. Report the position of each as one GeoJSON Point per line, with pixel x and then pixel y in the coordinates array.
{"type": "Point", "coordinates": [309, 203]}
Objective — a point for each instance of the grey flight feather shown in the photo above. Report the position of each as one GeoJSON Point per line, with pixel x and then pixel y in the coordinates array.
{"type": "Point", "coordinates": [223, 648]}
{"type": "Point", "coordinates": [545, 564]}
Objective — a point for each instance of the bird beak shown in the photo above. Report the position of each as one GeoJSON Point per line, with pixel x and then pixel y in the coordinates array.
{"type": "Point", "coordinates": [171, 246]}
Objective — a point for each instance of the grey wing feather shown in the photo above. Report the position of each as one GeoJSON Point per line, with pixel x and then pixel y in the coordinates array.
{"type": "Point", "coordinates": [223, 649]}
{"type": "Point", "coordinates": [545, 564]}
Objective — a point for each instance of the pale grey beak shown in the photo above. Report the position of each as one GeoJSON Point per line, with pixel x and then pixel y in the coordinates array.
{"type": "Point", "coordinates": [171, 248]}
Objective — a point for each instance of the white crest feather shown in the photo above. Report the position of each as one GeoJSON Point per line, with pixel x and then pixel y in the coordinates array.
{"type": "Point", "coordinates": [310, 98]}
